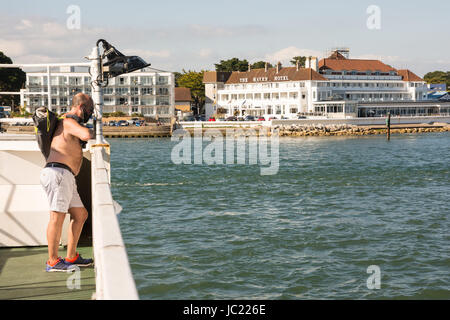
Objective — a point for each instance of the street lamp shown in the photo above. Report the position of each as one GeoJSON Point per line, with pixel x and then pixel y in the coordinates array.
{"type": "Point", "coordinates": [111, 63]}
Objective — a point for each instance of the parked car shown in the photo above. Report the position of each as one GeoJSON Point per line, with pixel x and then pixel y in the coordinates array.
{"type": "Point", "coordinates": [123, 123]}
{"type": "Point", "coordinates": [112, 123]}
{"type": "Point", "coordinates": [232, 118]}
{"type": "Point", "coordinates": [200, 118]}
{"type": "Point", "coordinates": [212, 119]}
{"type": "Point", "coordinates": [273, 118]}
{"type": "Point", "coordinates": [261, 119]}
{"type": "Point", "coordinates": [301, 117]}
{"type": "Point", "coordinates": [240, 119]}
{"type": "Point", "coordinates": [189, 118]}
{"type": "Point", "coordinates": [249, 118]}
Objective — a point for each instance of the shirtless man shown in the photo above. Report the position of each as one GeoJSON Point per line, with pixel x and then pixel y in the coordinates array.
{"type": "Point", "coordinates": [58, 181]}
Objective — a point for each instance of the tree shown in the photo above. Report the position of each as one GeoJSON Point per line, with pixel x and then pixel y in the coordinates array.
{"type": "Point", "coordinates": [233, 64]}
{"type": "Point", "coordinates": [436, 77]}
{"type": "Point", "coordinates": [300, 59]}
{"type": "Point", "coordinates": [194, 81]}
{"type": "Point", "coordinates": [11, 79]}
{"type": "Point", "coordinates": [177, 75]}
{"type": "Point", "coordinates": [261, 65]}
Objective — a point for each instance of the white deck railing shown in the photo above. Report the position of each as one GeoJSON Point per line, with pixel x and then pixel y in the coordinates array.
{"type": "Point", "coordinates": [114, 279]}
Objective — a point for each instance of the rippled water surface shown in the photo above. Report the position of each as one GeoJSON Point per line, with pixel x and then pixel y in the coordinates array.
{"type": "Point", "coordinates": [336, 207]}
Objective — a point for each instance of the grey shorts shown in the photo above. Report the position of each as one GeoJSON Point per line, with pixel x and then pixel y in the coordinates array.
{"type": "Point", "coordinates": [61, 188]}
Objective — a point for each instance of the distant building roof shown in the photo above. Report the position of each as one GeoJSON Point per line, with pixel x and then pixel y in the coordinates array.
{"type": "Point", "coordinates": [182, 94]}
{"type": "Point", "coordinates": [338, 63]}
{"type": "Point", "coordinates": [271, 75]}
{"type": "Point", "coordinates": [215, 76]}
{"type": "Point", "coordinates": [408, 75]}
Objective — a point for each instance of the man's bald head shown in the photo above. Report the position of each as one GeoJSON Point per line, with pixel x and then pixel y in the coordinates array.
{"type": "Point", "coordinates": [82, 99]}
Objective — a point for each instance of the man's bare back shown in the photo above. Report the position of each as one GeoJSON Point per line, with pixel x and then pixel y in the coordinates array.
{"type": "Point", "coordinates": [66, 147]}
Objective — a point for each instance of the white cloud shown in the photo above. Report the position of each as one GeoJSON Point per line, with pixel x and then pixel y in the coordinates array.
{"type": "Point", "coordinates": [286, 54]}
{"type": "Point", "coordinates": [205, 52]}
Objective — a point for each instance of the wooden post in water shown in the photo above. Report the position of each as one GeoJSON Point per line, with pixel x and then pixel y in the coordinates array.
{"type": "Point", "coordinates": [388, 126]}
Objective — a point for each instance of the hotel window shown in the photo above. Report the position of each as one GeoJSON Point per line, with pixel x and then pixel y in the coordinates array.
{"type": "Point", "coordinates": [147, 101]}
{"type": "Point", "coordinates": [293, 109]}
{"type": "Point", "coordinates": [162, 110]}
{"type": "Point", "coordinates": [146, 91]}
{"type": "Point", "coordinates": [63, 109]}
{"type": "Point", "coordinates": [163, 101]}
{"type": "Point", "coordinates": [134, 100]}
{"type": "Point", "coordinates": [163, 91]}
{"type": "Point", "coordinates": [134, 80]}
{"type": "Point", "coordinates": [108, 100]}
{"type": "Point", "coordinates": [121, 91]}
{"type": "Point", "coordinates": [257, 96]}
{"type": "Point", "coordinates": [34, 81]}
{"type": "Point", "coordinates": [146, 80]}
{"type": "Point", "coordinates": [62, 80]}
{"type": "Point", "coordinates": [249, 96]}
{"type": "Point", "coordinates": [278, 110]}
{"type": "Point", "coordinates": [75, 81]}
{"type": "Point", "coordinates": [163, 80]}
{"type": "Point", "coordinates": [108, 90]}
{"type": "Point", "coordinates": [134, 91]}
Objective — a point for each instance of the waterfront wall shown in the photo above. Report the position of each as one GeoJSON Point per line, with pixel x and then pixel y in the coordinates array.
{"type": "Point", "coordinates": [363, 121]}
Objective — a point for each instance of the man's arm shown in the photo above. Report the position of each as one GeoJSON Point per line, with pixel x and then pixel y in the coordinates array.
{"type": "Point", "coordinates": [74, 128]}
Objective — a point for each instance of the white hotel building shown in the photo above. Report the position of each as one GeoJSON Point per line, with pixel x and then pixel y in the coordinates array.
{"type": "Point", "coordinates": [335, 87]}
{"type": "Point", "coordinates": [147, 91]}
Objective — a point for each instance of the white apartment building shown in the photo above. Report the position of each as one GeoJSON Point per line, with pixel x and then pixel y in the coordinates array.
{"type": "Point", "coordinates": [147, 91]}
{"type": "Point", "coordinates": [333, 87]}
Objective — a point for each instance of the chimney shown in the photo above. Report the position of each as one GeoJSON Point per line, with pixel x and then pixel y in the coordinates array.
{"type": "Point", "coordinates": [249, 67]}
{"type": "Point", "coordinates": [297, 65]}
{"type": "Point", "coordinates": [314, 63]}
{"type": "Point", "coordinates": [278, 66]}
{"type": "Point", "coordinates": [266, 67]}
{"type": "Point", "coordinates": [308, 62]}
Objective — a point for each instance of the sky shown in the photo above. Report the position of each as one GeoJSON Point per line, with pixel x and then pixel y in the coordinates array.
{"type": "Point", "coordinates": [193, 35]}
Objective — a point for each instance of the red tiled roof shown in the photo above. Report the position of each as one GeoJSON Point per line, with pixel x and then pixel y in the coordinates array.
{"type": "Point", "coordinates": [408, 75]}
{"type": "Point", "coordinates": [182, 94]}
{"type": "Point", "coordinates": [354, 64]}
{"type": "Point", "coordinates": [284, 74]}
{"type": "Point", "coordinates": [215, 76]}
